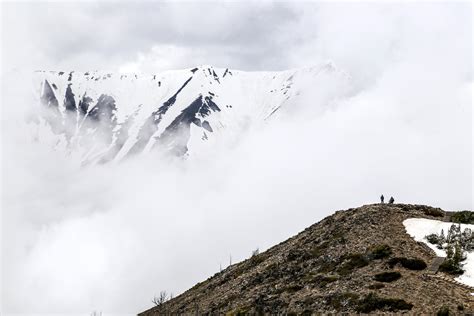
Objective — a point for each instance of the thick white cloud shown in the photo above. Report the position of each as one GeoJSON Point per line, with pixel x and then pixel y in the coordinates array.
{"type": "Point", "coordinates": [110, 237]}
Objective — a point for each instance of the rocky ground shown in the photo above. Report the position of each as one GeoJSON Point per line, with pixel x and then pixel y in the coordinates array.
{"type": "Point", "coordinates": [356, 261]}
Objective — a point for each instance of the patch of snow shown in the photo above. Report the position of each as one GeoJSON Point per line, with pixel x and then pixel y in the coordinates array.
{"type": "Point", "coordinates": [418, 228]}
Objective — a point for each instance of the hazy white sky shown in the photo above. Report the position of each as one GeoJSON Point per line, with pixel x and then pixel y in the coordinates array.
{"type": "Point", "coordinates": [82, 239]}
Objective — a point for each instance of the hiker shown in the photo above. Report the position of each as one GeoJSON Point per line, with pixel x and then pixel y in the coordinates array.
{"type": "Point", "coordinates": [381, 199]}
{"type": "Point", "coordinates": [391, 200]}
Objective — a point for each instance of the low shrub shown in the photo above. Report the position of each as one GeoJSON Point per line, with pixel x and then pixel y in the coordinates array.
{"type": "Point", "coordinates": [443, 311]}
{"type": "Point", "coordinates": [449, 266]}
{"type": "Point", "coordinates": [380, 251]}
{"type": "Point", "coordinates": [372, 303]}
{"type": "Point", "coordinates": [433, 239]}
{"type": "Point", "coordinates": [293, 288]}
{"type": "Point", "coordinates": [256, 259]}
{"type": "Point", "coordinates": [351, 262]}
{"type": "Point", "coordinates": [376, 286]}
{"type": "Point", "coordinates": [436, 212]}
{"type": "Point", "coordinates": [463, 217]}
{"type": "Point", "coordinates": [408, 263]}
{"type": "Point", "coordinates": [387, 276]}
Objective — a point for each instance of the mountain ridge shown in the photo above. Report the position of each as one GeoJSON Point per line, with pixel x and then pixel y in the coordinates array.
{"type": "Point", "coordinates": [342, 264]}
{"type": "Point", "coordinates": [111, 116]}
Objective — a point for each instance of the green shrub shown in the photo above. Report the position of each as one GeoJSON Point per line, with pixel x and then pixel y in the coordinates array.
{"type": "Point", "coordinates": [451, 267]}
{"type": "Point", "coordinates": [443, 311]}
{"type": "Point", "coordinates": [372, 303]}
{"type": "Point", "coordinates": [293, 288]}
{"type": "Point", "coordinates": [433, 239]}
{"type": "Point", "coordinates": [387, 276]}
{"type": "Point", "coordinates": [376, 286]}
{"type": "Point", "coordinates": [411, 264]}
{"type": "Point", "coordinates": [380, 251]}
{"type": "Point", "coordinates": [436, 212]}
{"type": "Point", "coordinates": [463, 217]}
{"type": "Point", "coordinates": [351, 262]}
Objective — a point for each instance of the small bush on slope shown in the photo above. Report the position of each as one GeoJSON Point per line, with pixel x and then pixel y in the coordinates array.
{"type": "Point", "coordinates": [443, 311]}
{"type": "Point", "coordinates": [351, 262]}
{"type": "Point", "coordinates": [380, 251]}
{"type": "Point", "coordinates": [411, 264]}
{"type": "Point", "coordinates": [463, 217]}
{"type": "Point", "coordinates": [387, 276]}
{"type": "Point", "coordinates": [376, 286]}
{"type": "Point", "coordinates": [372, 303]}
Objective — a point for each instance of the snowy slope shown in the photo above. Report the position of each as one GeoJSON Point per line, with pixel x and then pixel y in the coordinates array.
{"type": "Point", "coordinates": [107, 116]}
{"type": "Point", "coordinates": [418, 228]}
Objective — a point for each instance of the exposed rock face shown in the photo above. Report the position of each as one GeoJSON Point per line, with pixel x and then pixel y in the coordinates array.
{"type": "Point", "coordinates": [106, 116]}
{"type": "Point", "coordinates": [332, 266]}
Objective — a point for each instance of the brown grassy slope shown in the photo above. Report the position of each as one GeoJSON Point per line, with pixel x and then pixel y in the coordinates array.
{"type": "Point", "coordinates": [329, 267]}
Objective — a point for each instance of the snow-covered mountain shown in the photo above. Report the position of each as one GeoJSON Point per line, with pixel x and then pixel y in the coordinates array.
{"type": "Point", "coordinates": [108, 116]}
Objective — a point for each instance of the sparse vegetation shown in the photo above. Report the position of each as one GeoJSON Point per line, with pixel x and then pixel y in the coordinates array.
{"type": "Point", "coordinates": [319, 250]}
{"type": "Point", "coordinates": [449, 266]}
{"type": "Point", "coordinates": [257, 257]}
{"type": "Point", "coordinates": [408, 263]}
{"type": "Point", "coordinates": [293, 288]}
{"type": "Point", "coordinates": [351, 262]}
{"type": "Point", "coordinates": [436, 212]}
{"type": "Point", "coordinates": [372, 303]}
{"type": "Point", "coordinates": [455, 243]}
{"type": "Point", "coordinates": [255, 252]}
{"type": "Point", "coordinates": [341, 300]}
{"type": "Point", "coordinates": [435, 239]}
{"type": "Point", "coordinates": [387, 276]}
{"type": "Point", "coordinates": [380, 251]}
{"type": "Point", "coordinates": [314, 273]}
{"type": "Point", "coordinates": [376, 286]}
{"type": "Point", "coordinates": [463, 217]}
{"type": "Point", "coordinates": [160, 299]}
{"type": "Point", "coordinates": [323, 280]}
{"type": "Point", "coordinates": [443, 311]}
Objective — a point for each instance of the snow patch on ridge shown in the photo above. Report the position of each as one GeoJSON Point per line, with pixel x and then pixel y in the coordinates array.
{"type": "Point", "coordinates": [418, 228]}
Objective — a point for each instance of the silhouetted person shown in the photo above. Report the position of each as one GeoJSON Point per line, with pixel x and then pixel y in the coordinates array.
{"type": "Point", "coordinates": [391, 200]}
{"type": "Point", "coordinates": [381, 199]}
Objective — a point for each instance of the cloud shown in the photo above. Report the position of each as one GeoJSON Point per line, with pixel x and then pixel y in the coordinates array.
{"type": "Point", "coordinates": [109, 237]}
{"type": "Point", "coordinates": [85, 35]}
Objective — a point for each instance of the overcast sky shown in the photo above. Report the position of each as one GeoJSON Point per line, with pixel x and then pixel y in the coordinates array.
{"type": "Point", "coordinates": [248, 35]}
{"type": "Point", "coordinates": [82, 239]}
{"type": "Point", "coordinates": [91, 35]}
